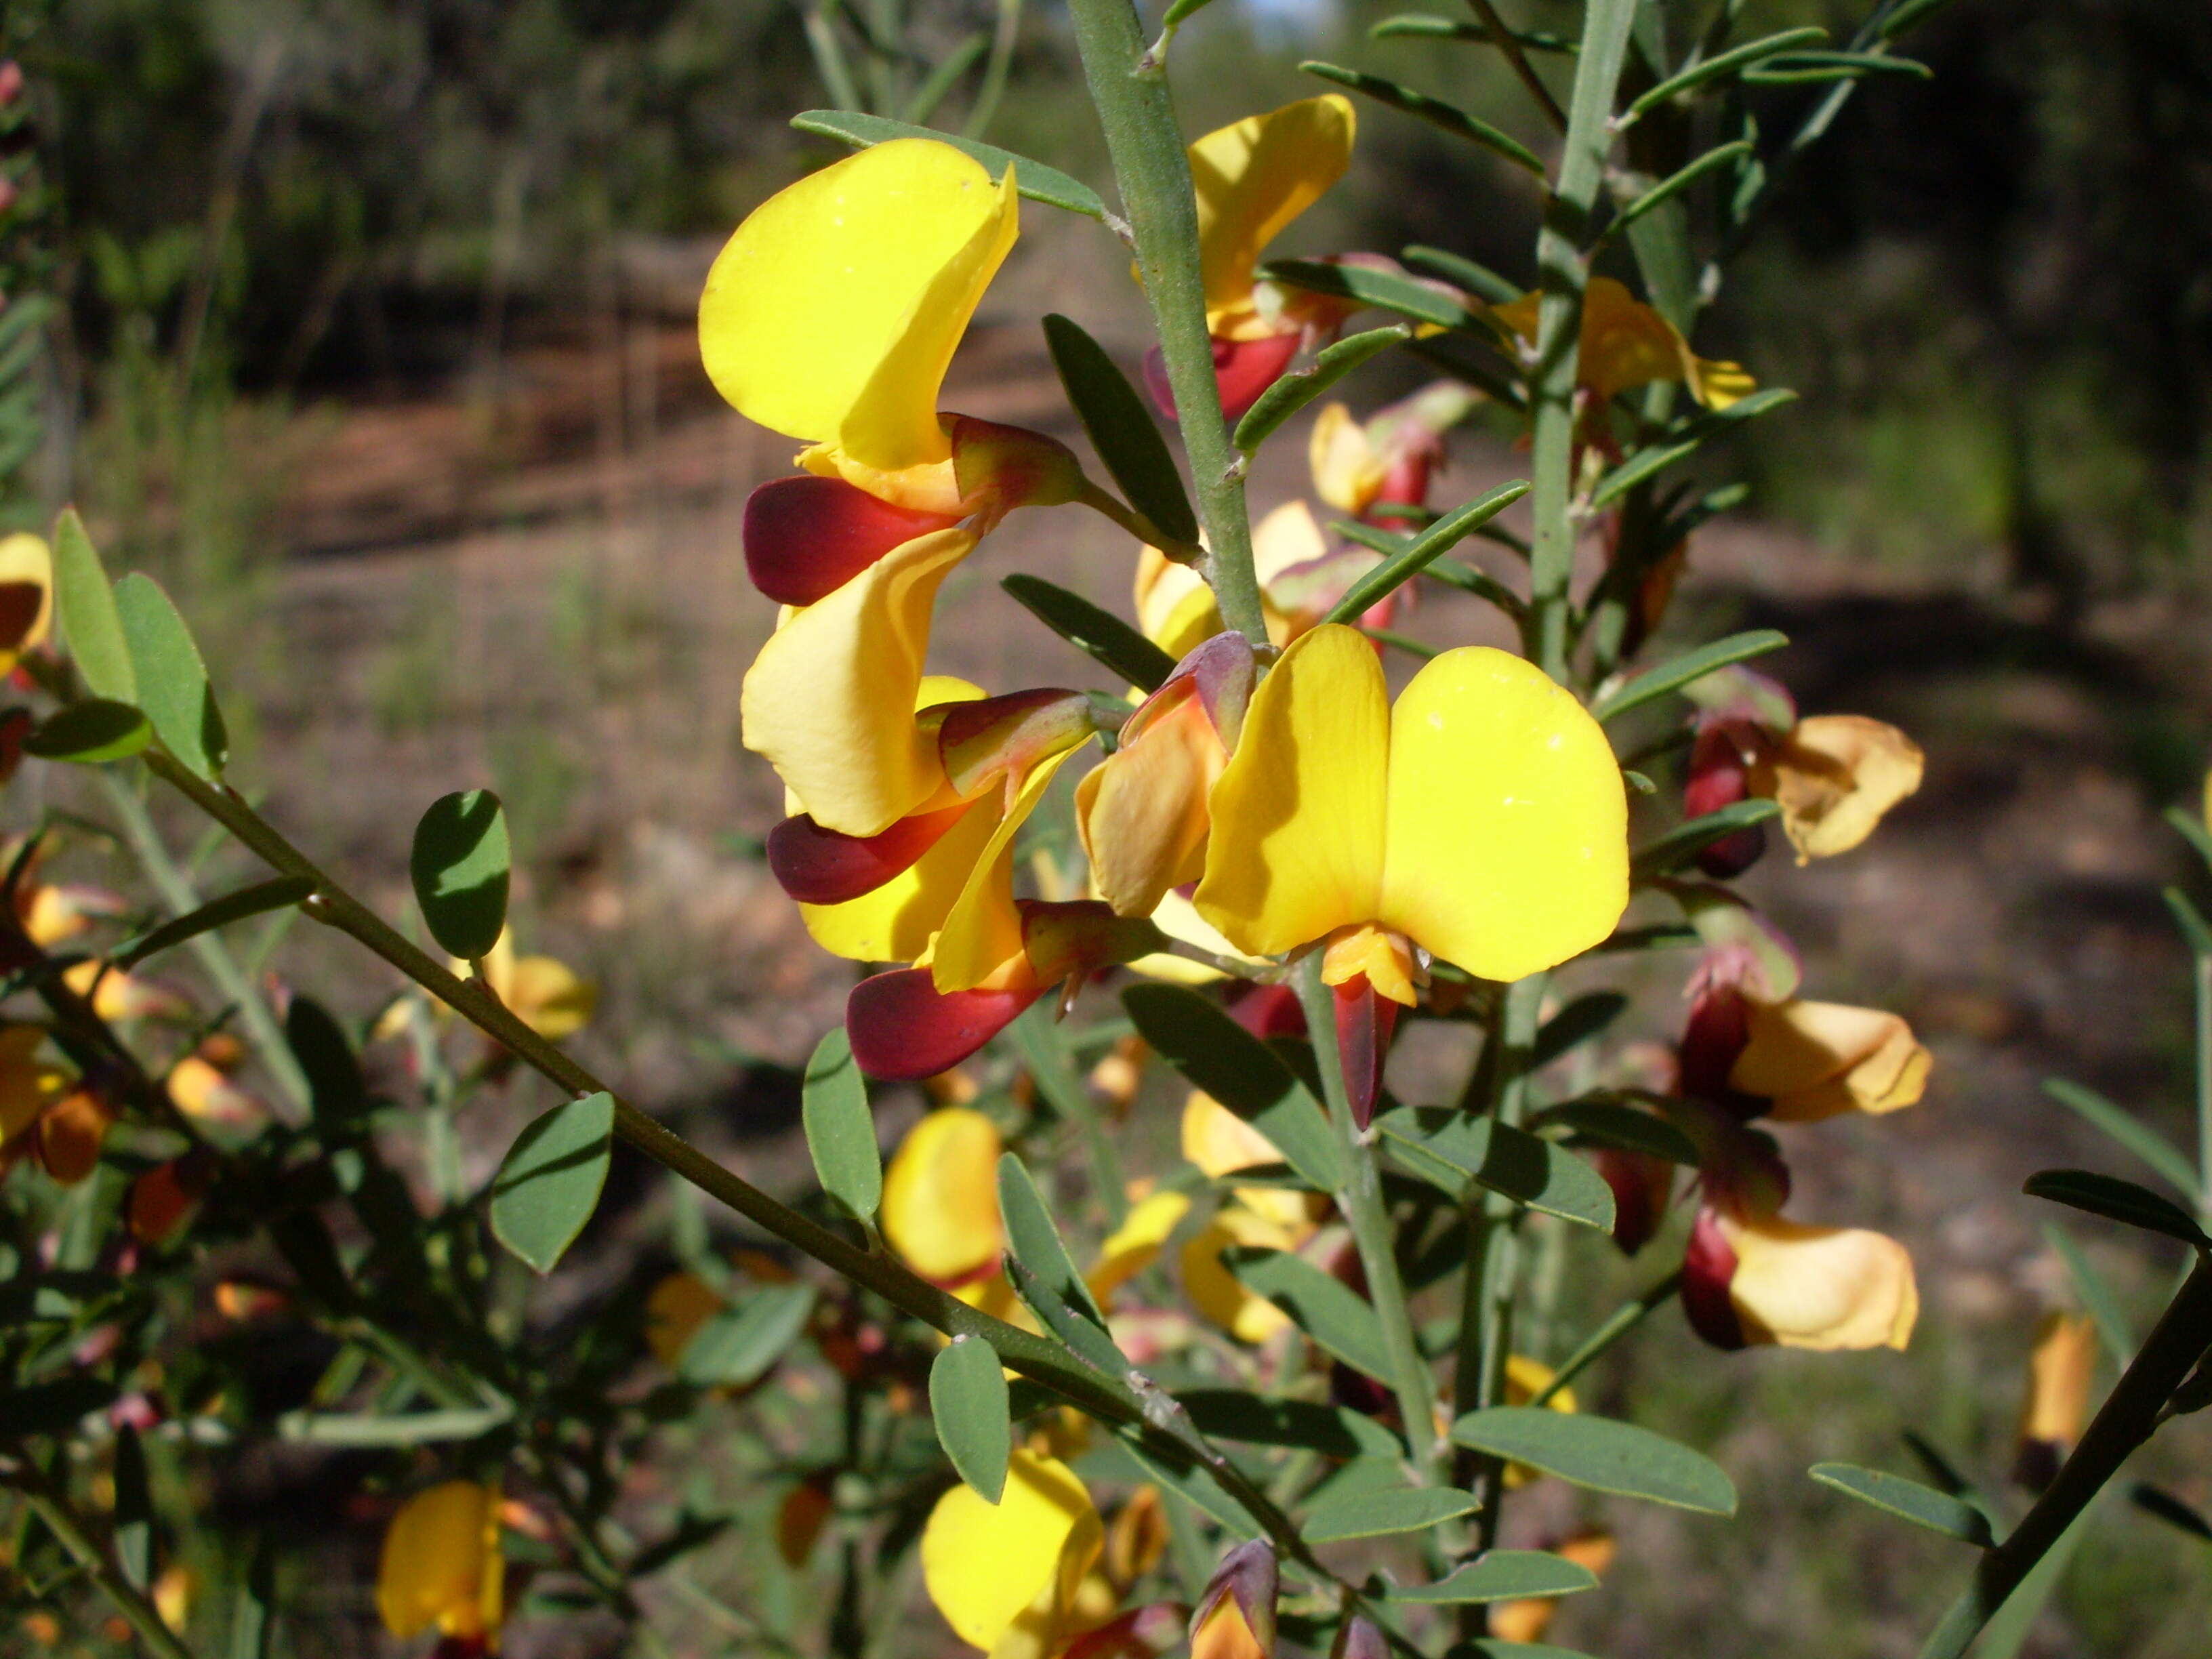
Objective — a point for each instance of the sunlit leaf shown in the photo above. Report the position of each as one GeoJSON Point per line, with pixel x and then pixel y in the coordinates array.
{"type": "Point", "coordinates": [967, 1404]}
{"type": "Point", "coordinates": [550, 1180]}
{"type": "Point", "coordinates": [1601, 1455]}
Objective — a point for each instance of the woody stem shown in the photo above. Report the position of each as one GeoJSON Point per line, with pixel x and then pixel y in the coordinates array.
{"type": "Point", "coordinates": [1146, 148]}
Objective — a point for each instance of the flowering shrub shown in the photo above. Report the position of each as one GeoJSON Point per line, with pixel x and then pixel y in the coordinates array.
{"type": "Point", "coordinates": [1271, 1394]}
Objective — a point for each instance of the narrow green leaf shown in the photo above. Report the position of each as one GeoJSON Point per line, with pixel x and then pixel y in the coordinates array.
{"type": "Point", "coordinates": [1032, 178]}
{"type": "Point", "coordinates": [1686, 670]}
{"type": "Point", "coordinates": [1481, 584]}
{"type": "Point", "coordinates": [2191, 921]}
{"type": "Point", "coordinates": [87, 732]}
{"type": "Point", "coordinates": [1181, 12]}
{"type": "Point", "coordinates": [1120, 428]}
{"type": "Point", "coordinates": [1379, 1513]}
{"type": "Point", "coordinates": [1098, 634]}
{"type": "Point", "coordinates": [1601, 1455]}
{"type": "Point", "coordinates": [1445, 117]}
{"type": "Point", "coordinates": [84, 604]}
{"type": "Point", "coordinates": [1657, 457]}
{"type": "Point", "coordinates": [550, 1182]}
{"type": "Point", "coordinates": [173, 679]}
{"type": "Point", "coordinates": [1462, 357]}
{"type": "Point", "coordinates": [1034, 1240]}
{"type": "Point", "coordinates": [1080, 1333]}
{"type": "Point", "coordinates": [1713, 68]}
{"type": "Point", "coordinates": [1425, 549]}
{"type": "Point", "coordinates": [2152, 1500]}
{"type": "Point", "coordinates": [1293, 391]}
{"type": "Point", "coordinates": [459, 865]}
{"type": "Point", "coordinates": [968, 1403]}
{"type": "Point", "coordinates": [2096, 1294]}
{"type": "Point", "coordinates": [1524, 1168]}
{"type": "Point", "coordinates": [1308, 1425]}
{"type": "Point", "coordinates": [2193, 831]}
{"type": "Point", "coordinates": [134, 1509]}
{"type": "Point", "coordinates": [1215, 1053]}
{"type": "Point", "coordinates": [1193, 1481]}
{"type": "Point", "coordinates": [1426, 26]}
{"type": "Point", "coordinates": [841, 1130]}
{"type": "Point", "coordinates": [1906, 16]}
{"type": "Point", "coordinates": [2116, 1201]}
{"type": "Point", "coordinates": [1675, 183]}
{"type": "Point", "coordinates": [1610, 1122]}
{"type": "Point", "coordinates": [392, 1428]}
{"type": "Point", "coordinates": [278, 893]}
{"type": "Point", "coordinates": [1908, 1500]}
{"type": "Point", "coordinates": [2123, 1127]}
{"type": "Point", "coordinates": [1797, 69]}
{"type": "Point", "coordinates": [1585, 1018]}
{"type": "Point", "coordinates": [1503, 1575]}
{"type": "Point", "coordinates": [251, 1610]}
{"type": "Point", "coordinates": [1462, 272]}
{"type": "Point", "coordinates": [736, 1347]}
{"type": "Point", "coordinates": [1342, 1323]}
{"type": "Point", "coordinates": [1385, 290]}
{"type": "Point", "coordinates": [1670, 851]}
{"type": "Point", "coordinates": [1493, 1647]}
{"type": "Point", "coordinates": [336, 1088]}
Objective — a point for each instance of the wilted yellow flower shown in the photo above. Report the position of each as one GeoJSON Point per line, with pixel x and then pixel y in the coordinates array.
{"type": "Point", "coordinates": [1626, 343]}
{"type": "Point", "coordinates": [1758, 1278]}
{"type": "Point", "coordinates": [1815, 1060]}
{"type": "Point", "coordinates": [442, 1564]}
{"type": "Point", "coordinates": [1834, 777]}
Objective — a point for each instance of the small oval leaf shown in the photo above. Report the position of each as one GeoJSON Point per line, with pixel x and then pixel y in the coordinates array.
{"type": "Point", "coordinates": [1522, 1167]}
{"type": "Point", "coordinates": [735, 1347]}
{"type": "Point", "coordinates": [336, 1089]}
{"type": "Point", "coordinates": [2117, 1200]}
{"type": "Point", "coordinates": [968, 1403]}
{"type": "Point", "coordinates": [1378, 1513]}
{"type": "Point", "coordinates": [1908, 1500]}
{"type": "Point", "coordinates": [550, 1182]}
{"type": "Point", "coordinates": [1504, 1575]}
{"type": "Point", "coordinates": [459, 865]}
{"type": "Point", "coordinates": [1337, 1317]}
{"type": "Point", "coordinates": [173, 679]}
{"type": "Point", "coordinates": [1601, 1455]}
{"type": "Point", "coordinates": [84, 604]}
{"type": "Point", "coordinates": [841, 1131]}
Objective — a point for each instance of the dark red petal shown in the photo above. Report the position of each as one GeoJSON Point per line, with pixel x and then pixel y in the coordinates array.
{"type": "Point", "coordinates": [1641, 1185]}
{"type": "Point", "coordinates": [903, 1029]}
{"type": "Point", "coordinates": [1365, 1020]}
{"type": "Point", "coordinates": [1241, 368]}
{"type": "Point", "coordinates": [1718, 1029]}
{"type": "Point", "coordinates": [805, 538]}
{"type": "Point", "coordinates": [821, 866]}
{"type": "Point", "coordinates": [19, 609]}
{"type": "Point", "coordinates": [1267, 1011]}
{"type": "Point", "coordinates": [1708, 1269]}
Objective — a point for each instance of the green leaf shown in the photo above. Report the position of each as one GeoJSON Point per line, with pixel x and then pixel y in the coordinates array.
{"type": "Point", "coordinates": [1601, 1455]}
{"type": "Point", "coordinates": [1339, 1320]}
{"type": "Point", "coordinates": [1908, 1500]}
{"type": "Point", "coordinates": [1469, 579]}
{"type": "Point", "coordinates": [1675, 183]}
{"type": "Point", "coordinates": [1445, 117]}
{"type": "Point", "coordinates": [1082, 1336]}
{"type": "Point", "coordinates": [1492, 1647]}
{"type": "Point", "coordinates": [1614, 1123]}
{"type": "Point", "coordinates": [1524, 1168]}
{"type": "Point", "coordinates": [1423, 550]}
{"type": "Point", "coordinates": [736, 1347]}
{"type": "Point", "coordinates": [1099, 633]}
{"type": "Point", "coordinates": [1263, 1421]}
{"type": "Point", "coordinates": [1214, 1053]}
{"type": "Point", "coordinates": [84, 605]}
{"type": "Point", "coordinates": [1713, 68]}
{"type": "Point", "coordinates": [1686, 670]}
{"type": "Point", "coordinates": [1585, 1018]}
{"type": "Point", "coordinates": [1379, 1513]}
{"type": "Point", "coordinates": [550, 1182]}
{"type": "Point", "coordinates": [2193, 831]}
{"type": "Point", "coordinates": [392, 1428]}
{"type": "Point", "coordinates": [1193, 1481]}
{"type": "Point", "coordinates": [2191, 921]}
{"type": "Point", "coordinates": [968, 1403]}
{"type": "Point", "coordinates": [2096, 1295]}
{"type": "Point", "coordinates": [2169, 1509]}
{"type": "Point", "coordinates": [2121, 1127]}
{"type": "Point", "coordinates": [1385, 290]}
{"type": "Point", "coordinates": [1911, 12]}
{"type": "Point", "coordinates": [278, 893]}
{"type": "Point", "coordinates": [1032, 178]}
{"type": "Point", "coordinates": [173, 679]}
{"type": "Point", "coordinates": [1293, 391]}
{"type": "Point", "coordinates": [459, 865]}
{"type": "Point", "coordinates": [841, 1130]}
{"type": "Point", "coordinates": [1428, 27]}
{"type": "Point", "coordinates": [252, 1609]}
{"type": "Point", "coordinates": [1670, 851]}
{"type": "Point", "coordinates": [2117, 1200]}
{"type": "Point", "coordinates": [1462, 272]}
{"type": "Point", "coordinates": [336, 1089]}
{"type": "Point", "coordinates": [1796, 69]}
{"type": "Point", "coordinates": [1658, 456]}
{"type": "Point", "coordinates": [1034, 1240]}
{"type": "Point", "coordinates": [90, 732]}
{"type": "Point", "coordinates": [134, 1509]}
{"type": "Point", "coordinates": [1504, 1576]}
{"type": "Point", "coordinates": [1120, 428]}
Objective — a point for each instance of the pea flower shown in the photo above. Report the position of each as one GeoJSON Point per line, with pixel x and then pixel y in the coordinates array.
{"type": "Point", "coordinates": [1626, 343]}
{"type": "Point", "coordinates": [2060, 1370]}
{"type": "Point", "coordinates": [57, 1121]}
{"type": "Point", "coordinates": [442, 1566]}
{"type": "Point", "coordinates": [543, 992]}
{"type": "Point", "coordinates": [27, 596]}
{"type": "Point", "coordinates": [1751, 1277]}
{"type": "Point", "coordinates": [1482, 820]}
{"type": "Point", "coordinates": [1253, 177]}
{"type": "Point", "coordinates": [1367, 468]}
{"type": "Point", "coordinates": [1236, 1618]}
{"type": "Point", "coordinates": [940, 1203]}
{"type": "Point", "coordinates": [1009, 1577]}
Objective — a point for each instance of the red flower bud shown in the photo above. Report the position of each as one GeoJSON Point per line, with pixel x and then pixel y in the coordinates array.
{"type": "Point", "coordinates": [1720, 776]}
{"type": "Point", "coordinates": [1267, 1011]}
{"type": "Point", "coordinates": [1241, 368]}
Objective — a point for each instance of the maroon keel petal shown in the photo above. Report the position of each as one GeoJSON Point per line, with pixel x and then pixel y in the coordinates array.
{"type": "Point", "coordinates": [1708, 1269]}
{"type": "Point", "coordinates": [903, 1027]}
{"type": "Point", "coordinates": [806, 537]}
{"type": "Point", "coordinates": [1365, 1020]}
{"type": "Point", "coordinates": [1241, 368]}
{"type": "Point", "coordinates": [820, 867]}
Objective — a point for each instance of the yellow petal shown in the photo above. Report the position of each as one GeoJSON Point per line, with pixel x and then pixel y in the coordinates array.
{"type": "Point", "coordinates": [829, 700]}
{"type": "Point", "coordinates": [1347, 473]}
{"type": "Point", "coordinates": [549, 997]}
{"type": "Point", "coordinates": [2059, 1373]}
{"type": "Point", "coordinates": [1833, 777]}
{"type": "Point", "coordinates": [981, 938]}
{"type": "Point", "coordinates": [1178, 918]}
{"type": "Point", "coordinates": [833, 312]}
{"type": "Point", "coordinates": [1226, 1635]}
{"type": "Point", "coordinates": [1141, 813]}
{"type": "Point", "coordinates": [1526, 1378]}
{"type": "Point", "coordinates": [441, 1564]}
{"type": "Point", "coordinates": [1135, 1244]}
{"type": "Point", "coordinates": [895, 922]}
{"type": "Point", "coordinates": [1508, 823]}
{"type": "Point", "coordinates": [1823, 1288]}
{"type": "Point", "coordinates": [1624, 342]}
{"type": "Point", "coordinates": [26, 595]}
{"type": "Point", "coordinates": [1296, 848]}
{"type": "Point", "coordinates": [940, 1209]}
{"type": "Point", "coordinates": [1175, 607]}
{"type": "Point", "coordinates": [1813, 1059]}
{"type": "Point", "coordinates": [986, 1565]}
{"type": "Point", "coordinates": [1717, 384]}
{"type": "Point", "coordinates": [1215, 1292]}
{"type": "Point", "coordinates": [1286, 538]}
{"type": "Point", "coordinates": [1380, 958]}
{"type": "Point", "coordinates": [1218, 1141]}
{"type": "Point", "coordinates": [1253, 177]}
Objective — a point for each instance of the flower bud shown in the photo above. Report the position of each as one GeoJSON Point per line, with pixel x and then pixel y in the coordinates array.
{"type": "Point", "coordinates": [1642, 1185]}
{"type": "Point", "coordinates": [999, 468]}
{"type": "Point", "coordinates": [1358, 1638]}
{"type": "Point", "coordinates": [1236, 1618]}
{"type": "Point", "coordinates": [1720, 776]}
{"type": "Point", "coordinates": [985, 740]}
{"type": "Point", "coordinates": [1243, 370]}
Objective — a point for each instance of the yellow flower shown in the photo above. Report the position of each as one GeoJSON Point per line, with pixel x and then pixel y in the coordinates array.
{"type": "Point", "coordinates": [832, 314]}
{"type": "Point", "coordinates": [1758, 1278]}
{"type": "Point", "coordinates": [1834, 777]}
{"type": "Point", "coordinates": [27, 596]}
{"type": "Point", "coordinates": [1253, 177]}
{"type": "Point", "coordinates": [1135, 1244]}
{"type": "Point", "coordinates": [940, 1208]}
{"type": "Point", "coordinates": [1526, 1378]}
{"type": "Point", "coordinates": [2060, 1371]}
{"type": "Point", "coordinates": [1388, 458]}
{"type": "Point", "coordinates": [1218, 1294]}
{"type": "Point", "coordinates": [1175, 609]}
{"type": "Point", "coordinates": [542, 992]}
{"type": "Point", "coordinates": [1626, 343]}
{"type": "Point", "coordinates": [1815, 1060]}
{"type": "Point", "coordinates": [1483, 819]}
{"type": "Point", "coordinates": [1008, 1577]}
{"type": "Point", "coordinates": [442, 1564]}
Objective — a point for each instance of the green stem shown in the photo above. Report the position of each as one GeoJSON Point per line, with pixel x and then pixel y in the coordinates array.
{"type": "Point", "coordinates": [2203, 966]}
{"type": "Point", "coordinates": [1360, 1198]}
{"type": "Point", "coordinates": [1038, 1039]}
{"type": "Point", "coordinates": [176, 892]}
{"type": "Point", "coordinates": [1623, 1320]}
{"type": "Point", "coordinates": [1563, 275]}
{"type": "Point", "coordinates": [1510, 44]}
{"type": "Point", "coordinates": [2125, 1422]}
{"type": "Point", "coordinates": [1153, 173]}
{"type": "Point", "coordinates": [51, 1507]}
{"type": "Point", "coordinates": [994, 85]}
